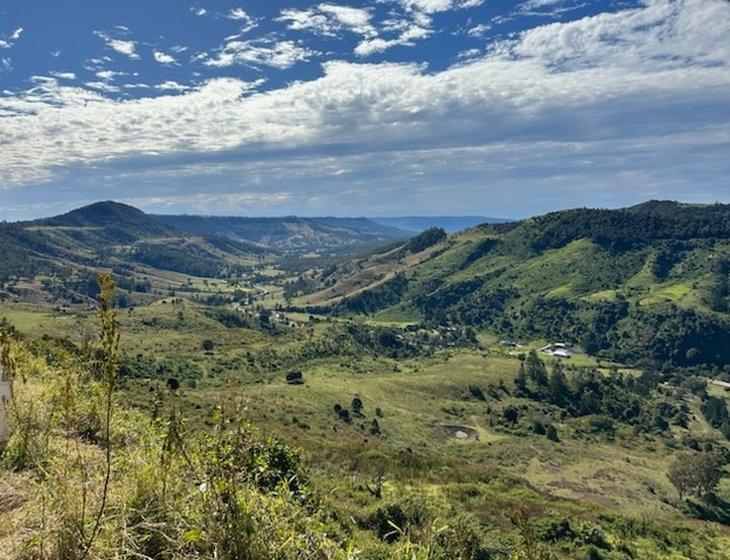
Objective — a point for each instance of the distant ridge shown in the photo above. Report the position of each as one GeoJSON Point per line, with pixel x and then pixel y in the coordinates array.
{"type": "Point", "coordinates": [290, 233]}
{"type": "Point", "coordinates": [449, 223]}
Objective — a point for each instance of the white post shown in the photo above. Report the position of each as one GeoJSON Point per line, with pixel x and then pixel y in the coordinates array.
{"type": "Point", "coordinates": [4, 403]}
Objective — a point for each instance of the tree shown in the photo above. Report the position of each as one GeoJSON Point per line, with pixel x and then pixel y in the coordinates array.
{"type": "Point", "coordinates": [521, 389]}
{"type": "Point", "coordinates": [535, 369]}
{"type": "Point", "coordinates": [558, 386]}
{"type": "Point", "coordinates": [715, 411]}
{"type": "Point", "coordinates": [357, 406]}
{"type": "Point", "coordinates": [208, 345]}
{"type": "Point", "coordinates": [551, 433]}
{"type": "Point", "coordinates": [344, 415]}
{"type": "Point", "coordinates": [477, 393]}
{"type": "Point", "coordinates": [698, 473]}
{"type": "Point", "coordinates": [538, 427]}
{"type": "Point", "coordinates": [511, 414]}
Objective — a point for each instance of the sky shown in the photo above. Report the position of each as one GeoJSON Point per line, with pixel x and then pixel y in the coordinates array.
{"type": "Point", "coordinates": [372, 107]}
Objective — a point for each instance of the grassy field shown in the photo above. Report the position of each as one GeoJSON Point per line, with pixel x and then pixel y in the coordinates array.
{"type": "Point", "coordinates": [434, 439]}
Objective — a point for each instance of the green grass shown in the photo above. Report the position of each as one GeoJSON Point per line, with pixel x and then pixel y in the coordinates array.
{"type": "Point", "coordinates": [423, 400]}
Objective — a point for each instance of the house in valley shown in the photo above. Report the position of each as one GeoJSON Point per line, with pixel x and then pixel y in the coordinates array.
{"type": "Point", "coordinates": [558, 349]}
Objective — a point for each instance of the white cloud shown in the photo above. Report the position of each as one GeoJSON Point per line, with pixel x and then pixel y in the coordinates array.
{"type": "Point", "coordinates": [8, 40]}
{"type": "Point", "coordinates": [102, 86]}
{"type": "Point", "coordinates": [408, 37]}
{"type": "Point", "coordinates": [435, 6]}
{"type": "Point", "coordinates": [164, 58]}
{"type": "Point", "coordinates": [620, 89]}
{"type": "Point", "coordinates": [479, 30]}
{"type": "Point", "coordinates": [329, 20]}
{"type": "Point", "coordinates": [356, 20]}
{"type": "Point", "coordinates": [547, 8]}
{"type": "Point", "coordinates": [469, 54]}
{"type": "Point", "coordinates": [125, 47]}
{"type": "Point", "coordinates": [107, 75]}
{"type": "Point", "coordinates": [64, 75]}
{"type": "Point", "coordinates": [171, 85]}
{"type": "Point", "coordinates": [246, 22]}
{"type": "Point", "coordinates": [199, 11]}
{"type": "Point", "coordinates": [260, 52]}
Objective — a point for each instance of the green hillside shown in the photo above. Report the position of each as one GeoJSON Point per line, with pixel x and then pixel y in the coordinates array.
{"type": "Point", "coordinates": [648, 282]}
{"type": "Point", "coordinates": [56, 259]}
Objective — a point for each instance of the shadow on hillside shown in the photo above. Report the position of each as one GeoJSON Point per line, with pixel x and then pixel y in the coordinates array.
{"type": "Point", "coordinates": [714, 509]}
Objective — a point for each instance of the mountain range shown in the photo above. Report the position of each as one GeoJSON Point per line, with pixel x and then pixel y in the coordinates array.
{"type": "Point", "coordinates": [450, 224]}
{"type": "Point", "coordinates": [107, 234]}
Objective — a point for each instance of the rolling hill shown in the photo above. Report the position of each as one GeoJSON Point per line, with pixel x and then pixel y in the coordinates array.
{"type": "Point", "coordinates": [290, 233]}
{"type": "Point", "coordinates": [648, 282]}
{"type": "Point", "coordinates": [60, 255]}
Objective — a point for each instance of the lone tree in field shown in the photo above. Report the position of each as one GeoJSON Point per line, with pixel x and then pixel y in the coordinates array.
{"type": "Point", "coordinates": [357, 406]}
{"type": "Point", "coordinates": [698, 473]}
{"type": "Point", "coordinates": [208, 345]}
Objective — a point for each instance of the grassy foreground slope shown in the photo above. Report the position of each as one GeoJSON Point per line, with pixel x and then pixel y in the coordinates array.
{"type": "Point", "coordinates": [648, 282]}
{"type": "Point", "coordinates": [432, 447]}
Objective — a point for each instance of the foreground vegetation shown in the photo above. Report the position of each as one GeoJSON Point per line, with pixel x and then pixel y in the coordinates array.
{"type": "Point", "coordinates": [389, 443]}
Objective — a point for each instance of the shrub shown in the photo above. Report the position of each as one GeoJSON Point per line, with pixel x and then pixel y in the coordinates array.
{"type": "Point", "coordinates": [477, 393]}
{"type": "Point", "coordinates": [294, 378]}
{"type": "Point", "coordinates": [551, 433]}
{"type": "Point", "coordinates": [397, 518]}
{"type": "Point", "coordinates": [538, 427]}
{"type": "Point", "coordinates": [511, 414]}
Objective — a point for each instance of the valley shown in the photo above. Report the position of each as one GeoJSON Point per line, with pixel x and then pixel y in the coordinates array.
{"type": "Point", "coordinates": [408, 377]}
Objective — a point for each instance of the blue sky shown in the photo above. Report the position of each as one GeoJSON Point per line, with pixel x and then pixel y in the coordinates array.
{"type": "Point", "coordinates": [379, 107]}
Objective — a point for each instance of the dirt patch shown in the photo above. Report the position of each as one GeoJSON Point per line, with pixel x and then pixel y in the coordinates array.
{"type": "Point", "coordinates": [459, 432]}
{"type": "Point", "coordinates": [11, 495]}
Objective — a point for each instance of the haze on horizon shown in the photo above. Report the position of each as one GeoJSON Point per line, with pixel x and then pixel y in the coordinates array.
{"type": "Point", "coordinates": [363, 108]}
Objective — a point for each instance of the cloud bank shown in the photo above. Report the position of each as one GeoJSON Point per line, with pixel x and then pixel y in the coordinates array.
{"type": "Point", "coordinates": [654, 78]}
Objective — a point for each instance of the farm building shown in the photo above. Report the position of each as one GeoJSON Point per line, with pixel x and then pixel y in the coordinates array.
{"type": "Point", "coordinates": [558, 349]}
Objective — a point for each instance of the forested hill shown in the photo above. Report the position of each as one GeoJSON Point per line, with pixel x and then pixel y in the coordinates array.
{"type": "Point", "coordinates": [290, 233]}
{"type": "Point", "coordinates": [640, 283]}
{"type": "Point", "coordinates": [60, 256]}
